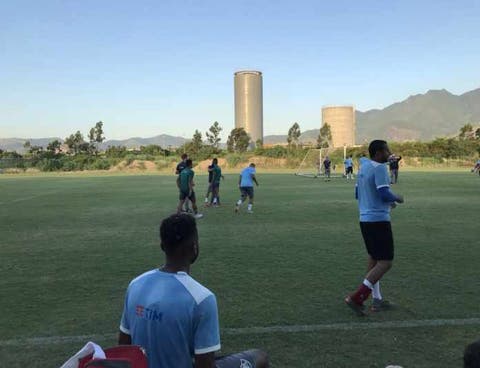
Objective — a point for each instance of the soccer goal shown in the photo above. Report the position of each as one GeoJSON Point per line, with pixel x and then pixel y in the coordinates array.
{"type": "Point", "coordinates": [312, 164]}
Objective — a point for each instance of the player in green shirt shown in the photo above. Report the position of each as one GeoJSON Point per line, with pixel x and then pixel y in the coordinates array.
{"type": "Point", "coordinates": [217, 175]}
{"type": "Point", "coordinates": [185, 185]}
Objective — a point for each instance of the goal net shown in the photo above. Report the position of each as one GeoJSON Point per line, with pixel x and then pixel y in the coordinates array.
{"type": "Point", "coordinates": [312, 165]}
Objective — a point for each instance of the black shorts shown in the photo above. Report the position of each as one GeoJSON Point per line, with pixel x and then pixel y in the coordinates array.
{"type": "Point", "coordinates": [247, 192]}
{"type": "Point", "coordinates": [378, 239]}
{"type": "Point", "coordinates": [245, 359]}
{"type": "Point", "coordinates": [184, 195]}
{"type": "Point", "coordinates": [215, 186]}
{"type": "Point", "coordinates": [349, 170]}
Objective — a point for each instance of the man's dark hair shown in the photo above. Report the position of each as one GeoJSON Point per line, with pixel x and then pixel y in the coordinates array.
{"type": "Point", "coordinates": [176, 231]}
{"type": "Point", "coordinates": [375, 146]}
{"type": "Point", "coordinates": [252, 165]}
{"type": "Point", "coordinates": [471, 356]}
{"type": "Point", "coordinates": [184, 156]}
{"type": "Point", "coordinates": [189, 162]}
{"type": "Point", "coordinates": [215, 161]}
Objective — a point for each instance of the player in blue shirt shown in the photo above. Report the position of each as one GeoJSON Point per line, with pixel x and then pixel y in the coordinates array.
{"type": "Point", "coordinates": [245, 183]}
{"type": "Point", "coordinates": [349, 167]}
{"type": "Point", "coordinates": [374, 201]}
{"type": "Point", "coordinates": [172, 316]}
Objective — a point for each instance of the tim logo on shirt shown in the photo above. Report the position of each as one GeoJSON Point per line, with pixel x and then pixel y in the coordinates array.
{"type": "Point", "coordinates": [245, 364]}
{"type": "Point", "coordinates": [148, 313]}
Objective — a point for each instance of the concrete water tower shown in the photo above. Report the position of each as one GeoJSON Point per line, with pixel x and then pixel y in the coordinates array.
{"type": "Point", "coordinates": [249, 103]}
{"type": "Point", "coordinates": [342, 124]}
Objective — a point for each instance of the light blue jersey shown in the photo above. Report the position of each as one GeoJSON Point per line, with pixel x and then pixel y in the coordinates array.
{"type": "Point", "coordinates": [348, 163]}
{"type": "Point", "coordinates": [371, 177]}
{"type": "Point", "coordinates": [172, 316]}
{"type": "Point", "coordinates": [247, 177]}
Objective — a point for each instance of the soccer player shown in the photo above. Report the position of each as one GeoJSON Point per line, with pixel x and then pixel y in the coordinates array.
{"type": "Point", "coordinates": [217, 175]}
{"type": "Point", "coordinates": [171, 315]}
{"type": "Point", "coordinates": [182, 165]}
{"type": "Point", "coordinates": [349, 167]}
{"type": "Point", "coordinates": [245, 183]}
{"type": "Point", "coordinates": [374, 201]}
{"type": "Point", "coordinates": [209, 190]}
{"type": "Point", "coordinates": [185, 185]}
{"type": "Point", "coordinates": [393, 163]}
{"type": "Point", "coordinates": [327, 164]}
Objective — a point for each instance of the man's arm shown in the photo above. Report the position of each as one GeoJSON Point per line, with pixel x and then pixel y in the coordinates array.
{"type": "Point", "coordinates": [239, 180]}
{"type": "Point", "coordinates": [388, 196]}
{"type": "Point", "coordinates": [124, 339]}
{"type": "Point", "coordinates": [205, 360]}
{"type": "Point", "coordinates": [178, 181]}
{"type": "Point", "coordinates": [254, 179]}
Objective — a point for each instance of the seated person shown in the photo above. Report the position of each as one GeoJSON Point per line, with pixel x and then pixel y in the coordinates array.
{"type": "Point", "coordinates": [173, 316]}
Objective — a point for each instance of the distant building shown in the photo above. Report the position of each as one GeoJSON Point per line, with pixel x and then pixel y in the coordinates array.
{"type": "Point", "coordinates": [248, 88]}
{"type": "Point", "coordinates": [342, 124]}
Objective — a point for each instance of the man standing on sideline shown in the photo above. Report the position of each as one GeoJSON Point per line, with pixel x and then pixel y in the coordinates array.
{"type": "Point", "coordinates": [374, 201]}
{"type": "Point", "coordinates": [476, 168]}
{"type": "Point", "coordinates": [182, 165]}
{"type": "Point", "coordinates": [174, 317]}
{"type": "Point", "coordinates": [327, 164]}
{"type": "Point", "coordinates": [349, 167]}
{"type": "Point", "coordinates": [209, 190]}
{"type": "Point", "coordinates": [394, 166]}
{"type": "Point", "coordinates": [217, 175]}
{"type": "Point", "coordinates": [185, 185]}
{"type": "Point", "coordinates": [245, 183]}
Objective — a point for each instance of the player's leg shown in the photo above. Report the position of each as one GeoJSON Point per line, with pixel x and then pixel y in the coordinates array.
{"type": "Point", "coordinates": [193, 201]}
{"type": "Point", "coordinates": [182, 197]}
{"type": "Point", "coordinates": [396, 176]}
{"type": "Point", "coordinates": [209, 191]}
{"type": "Point", "coordinates": [250, 199]}
{"type": "Point", "coordinates": [245, 359]}
{"type": "Point", "coordinates": [215, 188]}
{"type": "Point", "coordinates": [379, 243]}
{"type": "Point", "coordinates": [243, 196]}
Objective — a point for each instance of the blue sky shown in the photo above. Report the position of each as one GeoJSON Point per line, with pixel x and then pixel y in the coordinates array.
{"type": "Point", "coordinates": [152, 67]}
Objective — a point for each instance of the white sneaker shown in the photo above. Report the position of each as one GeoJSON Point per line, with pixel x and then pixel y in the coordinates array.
{"type": "Point", "coordinates": [198, 215]}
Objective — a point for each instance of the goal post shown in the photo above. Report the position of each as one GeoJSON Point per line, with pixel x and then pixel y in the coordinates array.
{"type": "Point", "coordinates": [312, 163]}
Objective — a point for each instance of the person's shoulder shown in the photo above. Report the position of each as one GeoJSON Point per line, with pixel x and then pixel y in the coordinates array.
{"type": "Point", "coordinates": [144, 276]}
{"type": "Point", "coordinates": [198, 292]}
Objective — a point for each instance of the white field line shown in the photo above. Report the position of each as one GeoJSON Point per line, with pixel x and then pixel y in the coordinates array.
{"type": "Point", "coordinates": [21, 199]}
{"type": "Point", "coordinates": [345, 326]}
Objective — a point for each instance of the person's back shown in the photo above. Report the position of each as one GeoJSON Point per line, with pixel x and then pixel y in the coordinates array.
{"type": "Point", "coordinates": [185, 177]}
{"type": "Point", "coordinates": [247, 177]}
{"type": "Point", "coordinates": [172, 316]}
{"type": "Point", "coordinates": [372, 176]}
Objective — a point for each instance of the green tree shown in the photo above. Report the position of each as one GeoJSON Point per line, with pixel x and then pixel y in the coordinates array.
{"type": "Point", "coordinates": [466, 132]}
{"type": "Point", "coordinates": [259, 144]}
{"type": "Point", "coordinates": [324, 139]}
{"type": "Point", "coordinates": [213, 135]}
{"type": "Point", "coordinates": [76, 143]}
{"type": "Point", "coordinates": [477, 133]}
{"type": "Point", "coordinates": [54, 146]}
{"type": "Point", "coordinates": [197, 143]}
{"type": "Point", "coordinates": [294, 135]}
{"type": "Point", "coordinates": [238, 140]}
{"type": "Point", "coordinates": [95, 136]}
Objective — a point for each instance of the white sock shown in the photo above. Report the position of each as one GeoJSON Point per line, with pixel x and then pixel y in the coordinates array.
{"type": "Point", "coordinates": [215, 200]}
{"type": "Point", "coordinates": [250, 206]}
{"type": "Point", "coordinates": [368, 284]}
{"type": "Point", "coordinates": [239, 202]}
{"type": "Point", "coordinates": [376, 291]}
{"type": "Point", "coordinates": [206, 199]}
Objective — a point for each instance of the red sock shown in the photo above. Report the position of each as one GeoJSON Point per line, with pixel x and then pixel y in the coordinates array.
{"type": "Point", "coordinates": [362, 294]}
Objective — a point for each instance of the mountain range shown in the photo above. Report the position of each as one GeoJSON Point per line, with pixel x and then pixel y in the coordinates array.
{"type": "Point", "coordinates": [419, 117]}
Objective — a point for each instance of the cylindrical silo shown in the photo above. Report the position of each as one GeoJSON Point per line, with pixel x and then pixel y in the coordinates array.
{"type": "Point", "coordinates": [249, 103]}
{"type": "Point", "coordinates": [342, 124]}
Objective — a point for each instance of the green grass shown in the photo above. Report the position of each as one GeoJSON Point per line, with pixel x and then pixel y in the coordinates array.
{"type": "Point", "coordinates": [70, 245]}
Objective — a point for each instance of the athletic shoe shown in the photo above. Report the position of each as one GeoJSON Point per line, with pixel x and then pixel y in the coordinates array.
{"type": "Point", "coordinates": [359, 309]}
{"type": "Point", "coordinates": [380, 305]}
{"type": "Point", "coordinates": [198, 215]}
{"type": "Point", "coordinates": [236, 209]}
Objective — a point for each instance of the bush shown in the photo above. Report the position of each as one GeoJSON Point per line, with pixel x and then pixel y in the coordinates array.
{"type": "Point", "coordinates": [235, 159]}
{"type": "Point", "coordinates": [100, 164]}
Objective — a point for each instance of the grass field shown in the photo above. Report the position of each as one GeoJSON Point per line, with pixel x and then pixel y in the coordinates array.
{"type": "Point", "coordinates": [70, 245]}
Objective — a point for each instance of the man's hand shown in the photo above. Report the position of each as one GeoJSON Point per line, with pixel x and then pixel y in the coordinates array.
{"type": "Point", "coordinates": [393, 205]}
{"type": "Point", "coordinates": [400, 198]}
